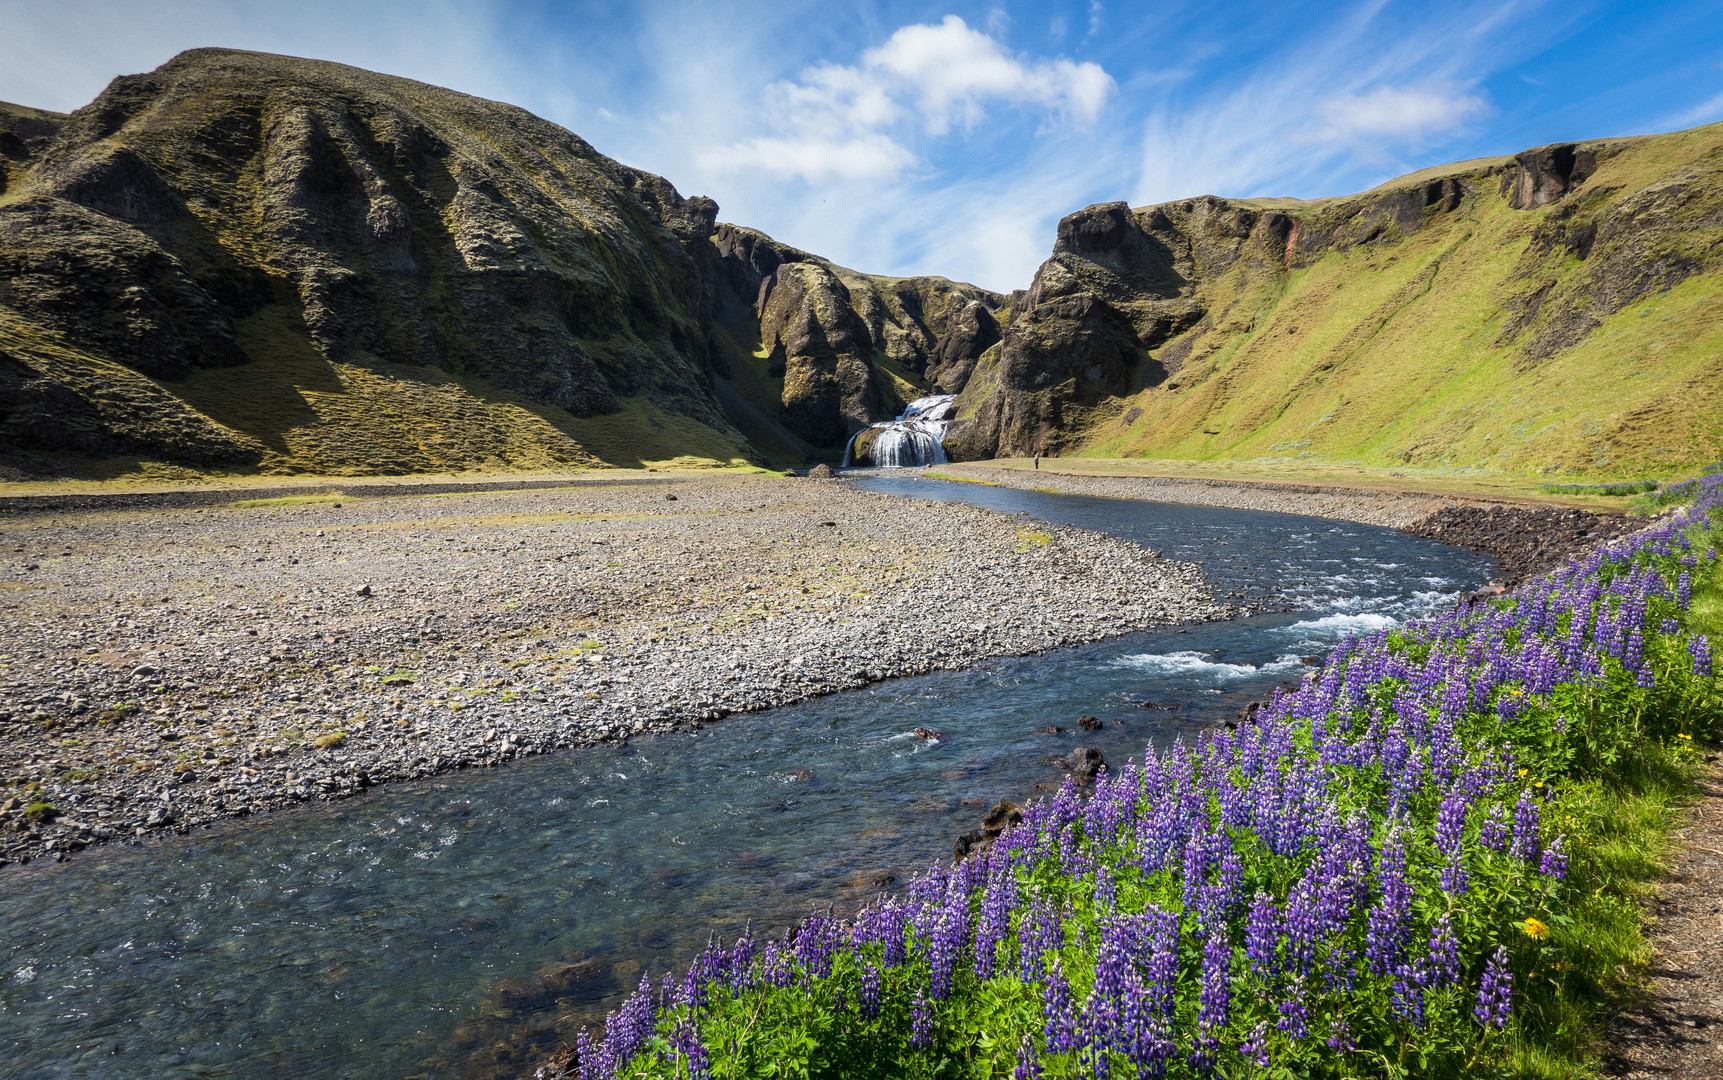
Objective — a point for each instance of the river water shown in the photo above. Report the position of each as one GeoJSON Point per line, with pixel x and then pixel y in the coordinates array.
{"type": "Point", "coordinates": [450, 927]}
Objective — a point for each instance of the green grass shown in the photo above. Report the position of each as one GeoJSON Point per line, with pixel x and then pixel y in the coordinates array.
{"type": "Point", "coordinates": [1401, 351]}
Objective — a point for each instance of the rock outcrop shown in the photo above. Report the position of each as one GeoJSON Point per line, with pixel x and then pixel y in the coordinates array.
{"type": "Point", "coordinates": [1453, 316]}
{"type": "Point", "coordinates": [341, 237]}
{"type": "Point", "coordinates": [833, 350]}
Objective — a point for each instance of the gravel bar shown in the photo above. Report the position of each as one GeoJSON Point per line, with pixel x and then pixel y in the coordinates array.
{"type": "Point", "coordinates": [170, 667]}
{"type": "Point", "coordinates": [1390, 509]}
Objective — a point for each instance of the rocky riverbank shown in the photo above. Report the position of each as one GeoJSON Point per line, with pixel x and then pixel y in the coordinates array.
{"type": "Point", "coordinates": [1525, 540]}
{"type": "Point", "coordinates": [165, 668]}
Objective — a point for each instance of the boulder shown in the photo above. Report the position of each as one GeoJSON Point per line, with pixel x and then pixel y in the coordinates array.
{"type": "Point", "coordinates": [1086, 763]}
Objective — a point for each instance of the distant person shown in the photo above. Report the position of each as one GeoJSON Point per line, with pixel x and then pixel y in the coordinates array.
{"type": "Point", "coordinates": [1037, 462]}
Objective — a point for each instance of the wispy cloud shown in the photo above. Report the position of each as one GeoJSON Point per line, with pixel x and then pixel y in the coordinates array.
{"type": "Point", "coordinates": [1324, 104]}
{"type": "Point", "coordinates": [836, 122]}
{"type": "Point", "coordinates": [1703, 113]}
{"type": "Point", "coordinates": [1404, 114]}
{"type": "Point", "coordinates": [864, 156]}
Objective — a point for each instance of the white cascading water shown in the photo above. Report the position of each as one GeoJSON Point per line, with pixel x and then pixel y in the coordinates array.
{"type": "Point", "coordinates": [915, 438]}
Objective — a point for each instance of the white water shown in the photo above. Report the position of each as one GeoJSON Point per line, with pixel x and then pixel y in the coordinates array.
{"type": "Point", "coordinates": [915, 438]}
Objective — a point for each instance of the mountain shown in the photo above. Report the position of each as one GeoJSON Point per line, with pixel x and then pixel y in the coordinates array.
{"type": "Point", "coordinates": [251, 262]}
{"type": "Point", "coordinates": [1560, 310]}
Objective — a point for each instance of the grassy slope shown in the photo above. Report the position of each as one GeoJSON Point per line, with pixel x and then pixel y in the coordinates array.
{"type": "Point", "coordinates": [298, 411]}
{"type": "Point", "coordinates": [306, 414]}
{"type": "Point", "coordinates": [1394, 354]}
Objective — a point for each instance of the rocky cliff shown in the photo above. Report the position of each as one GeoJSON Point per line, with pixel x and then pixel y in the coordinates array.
{"type": "Point", "coordinates": [1557, 310]}
{"type": "Point", "coordinates": [826, 350]}
{"type": "Point", "coordinates": [243, 261]}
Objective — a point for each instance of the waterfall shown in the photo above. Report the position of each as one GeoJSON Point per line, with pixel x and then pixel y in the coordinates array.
{"type": "Point", "coordinates": [915, 438]}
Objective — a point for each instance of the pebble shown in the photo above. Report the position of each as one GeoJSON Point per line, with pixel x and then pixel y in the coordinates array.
{"type": "Point", "coordinates": [174, 666]}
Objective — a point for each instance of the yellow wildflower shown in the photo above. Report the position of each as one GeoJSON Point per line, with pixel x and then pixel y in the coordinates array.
{"type": "Point", "coordinates": [1536, 929]}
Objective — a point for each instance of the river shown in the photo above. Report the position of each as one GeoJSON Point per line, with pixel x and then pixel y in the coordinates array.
{"type": "Point", "coordinates": [446, 927]}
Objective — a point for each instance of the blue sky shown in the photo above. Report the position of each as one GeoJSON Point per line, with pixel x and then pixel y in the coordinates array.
{"type": "Point", "coordinates": [908, 138]}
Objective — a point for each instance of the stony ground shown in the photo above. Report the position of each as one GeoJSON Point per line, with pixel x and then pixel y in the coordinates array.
{"type": "Point", "coordinates": [160, 668]}
{"type": "Point", "coordinates": [1525, 540]}
{"type": "Point", "coordinates": [1676, 1031]}
{"type": "Point", "coordinates": [1389, 509]}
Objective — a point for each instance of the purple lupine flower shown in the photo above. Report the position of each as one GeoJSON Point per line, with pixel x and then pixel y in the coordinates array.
{"type": "Point", "coordinates": [1700, 649]}
{"type": "Point", "coordinates": [1028, 1061]}
{"type": "Point", "coordinates": [1385, 924]}
{"type": "Point", "coordinates": [1442, 967]}
{"type": "Point", "coordinates": [1406, 995]}
{"type": "Point", "coordinates": [816, 943]}
{"type": "Point", "coordinates": [741, 963]}
{"type": "Point", "coordinates": [1215, 998]}
{"type": "Point", "coordinates": [1340, 1036]}
{"type": "Point", "coordinates": [1295, 1011]}
{"type": "Point", "coordinates": [1554, 862]}
{"type": "Point", "coordinates": [1495, 992]}
{"type": "Point", "coordinates": [687, 1045]}
{"type": "Point", "coordinates": [1493, 832]}
{"type": "Point", "coordinates": [1106, 891]}
{"type": "Point", "coordinates": [946, 942]}
{"type": "Point", "coordinates": [1041, 931]}
{"type": "Point", "coordinates": [1525, 842]}
{"type": "Point", "coordinates": [590, 1057]}
{"type": "Point", "coordinates": [1450, 823]}
{"type": "Point", "coordinates": [1683, 591]}
{"type": "Point", "coordinates": [628, 1027]}
{"type": "Point", "coordinates": [1059, 1018]}
{"type": "Point", "coordinates": [869, 997]}
{"type": "Point", "coordinates": [920, 1022]}
{"type": "Point", "coordinates": [997, 901]}
{"type": "Point", "coordinates": [1262, 936]}
{"type": "Point", "coordinates": [1255, 1048]}
{"type": "Point", "coordinates": [1455, 877]}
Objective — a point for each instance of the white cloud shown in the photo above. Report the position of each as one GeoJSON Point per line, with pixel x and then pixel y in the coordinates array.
{"type": "Point", "coordinates": [1406, 113]}
{"type": "Point", "coordinates": [869, 156]}
{"type": "Point", "coordinates": [953, 70]}
{"type": "Point", "coordinates": [834, 121]}
{"type": "Point", "coordinates": [1703, 113]}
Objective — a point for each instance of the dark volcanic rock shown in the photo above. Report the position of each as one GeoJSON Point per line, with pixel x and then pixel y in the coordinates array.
{"type": "Point", "coordinates": [1547, 173]}
{"type": "Point", "coordinates": [1086, 762]}
{"type": "Point", "coordinates": [825, 331]}
{"type": "Point", "coordinates": [1524, 541]}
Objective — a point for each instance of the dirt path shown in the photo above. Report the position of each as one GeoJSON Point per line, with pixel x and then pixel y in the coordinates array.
{"type": "Point", "coordinates": [1676, 1032]}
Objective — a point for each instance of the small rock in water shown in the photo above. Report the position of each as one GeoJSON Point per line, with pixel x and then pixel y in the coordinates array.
{"type": "Point", "coordinates": [967, 844]}
{"type": "Point", "coordinates": [1087, 763]}
{"type": "Point", "coordinates": [928, 734]}
{"type": "Point", "coordinates": [1052, 729]}
{"type": "Point", "coordinates": [799, 774]}
{"type": "Point", "coordinates": [1003, 815]}
{"type": "Point", "coordinates": [1089, 723]}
